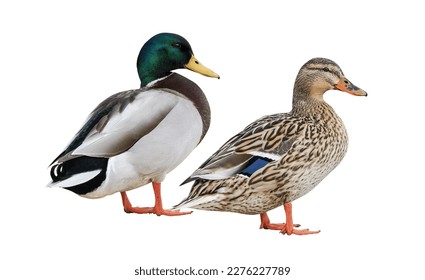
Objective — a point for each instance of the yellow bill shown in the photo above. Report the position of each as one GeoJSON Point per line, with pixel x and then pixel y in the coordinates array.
{"type": "Point", "coordinates": [197, 67]}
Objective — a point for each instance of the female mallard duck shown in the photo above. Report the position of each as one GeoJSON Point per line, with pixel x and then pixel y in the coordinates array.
{"type": "Point", "coordinates": [280, 157]}
{"type": "Point", "coordinates": [137, 136]}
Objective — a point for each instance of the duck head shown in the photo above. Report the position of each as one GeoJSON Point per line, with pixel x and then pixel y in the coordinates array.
{"type": "Point", "coordinates": [319, 75]}
{"type": "Point", "coordinates": [165, 52]}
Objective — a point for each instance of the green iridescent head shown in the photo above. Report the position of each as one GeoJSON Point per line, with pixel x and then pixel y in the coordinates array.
{"type": "Point", "coordinates": [165, 52]}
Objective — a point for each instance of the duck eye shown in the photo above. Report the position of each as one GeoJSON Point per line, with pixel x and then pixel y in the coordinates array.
{"type": "Point", "coordinates": [326, 69]}
{"type": "Point", "coordinates": [177, 45]}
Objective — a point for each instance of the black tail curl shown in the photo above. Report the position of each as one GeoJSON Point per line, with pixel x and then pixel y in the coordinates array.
{"type": "Point", "coordinates": [65, 170]}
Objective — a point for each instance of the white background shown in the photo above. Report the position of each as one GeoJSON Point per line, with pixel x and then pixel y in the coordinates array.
{"type": "Point", "coordinates": [58, 60]}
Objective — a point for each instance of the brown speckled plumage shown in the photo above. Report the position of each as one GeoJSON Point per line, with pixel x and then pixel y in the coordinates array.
{"type": "Point", "coordinates": [300, 149]}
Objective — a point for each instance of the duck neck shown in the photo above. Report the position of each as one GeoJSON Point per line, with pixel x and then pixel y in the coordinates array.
{"type": "Point", "coordinates": [308, 105]}
{"type": "Point", "coordinates": [151, 67]}
{"type": "Point", "coordinates": [149, 74]}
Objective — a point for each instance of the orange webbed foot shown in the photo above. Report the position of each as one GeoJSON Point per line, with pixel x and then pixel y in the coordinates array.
{"type": "Point", "coordinates": [285, 228]}
{"type": "Point", "coordinates": [157, 209]}
{"type": "Point", "coordinates": [154, 210]}
{"type": "Point", "coordinates": [292, 230]}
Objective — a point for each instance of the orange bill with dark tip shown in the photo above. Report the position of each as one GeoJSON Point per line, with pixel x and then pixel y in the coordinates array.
{"type": "Point", "coordinates": [345, 85]}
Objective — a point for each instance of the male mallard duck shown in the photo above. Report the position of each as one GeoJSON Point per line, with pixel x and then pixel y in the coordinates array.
{"type": "Point", "coordinates": [137, 136]}
{"type": "Point", "coordinates": [280, 157]}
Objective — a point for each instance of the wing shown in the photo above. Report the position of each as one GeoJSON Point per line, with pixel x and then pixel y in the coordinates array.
{"type": "Point", "coordinates": [119, 122]}
{"type": "Point", "coordinates": [263, 141]}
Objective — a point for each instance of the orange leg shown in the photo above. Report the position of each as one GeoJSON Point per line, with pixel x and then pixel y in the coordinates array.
{"type": "Point", "coordinates": [157, 209]}
{"type": "Point", "coordinates": [288, 227]}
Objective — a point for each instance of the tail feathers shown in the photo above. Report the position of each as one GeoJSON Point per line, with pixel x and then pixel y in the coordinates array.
{"type": "Point", "coordinates": [80, 175]}
{"type": "Point", "coordinates": [196, 203]}
{"type": "Point", "coordinates": [190, 179]}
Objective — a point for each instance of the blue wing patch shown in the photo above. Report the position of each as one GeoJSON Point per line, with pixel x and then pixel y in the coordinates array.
{"type": "Point", "coordinates": [254, 164]}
